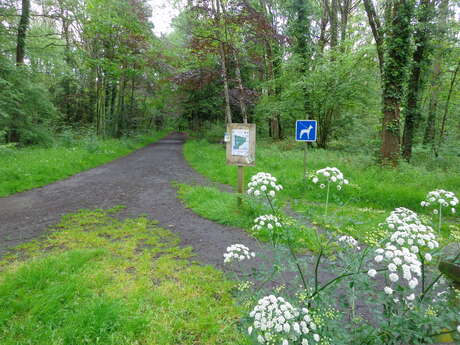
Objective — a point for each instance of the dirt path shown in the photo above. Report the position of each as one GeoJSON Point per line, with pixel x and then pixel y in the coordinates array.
{"type": "Point", "coordinates": [140, 181]}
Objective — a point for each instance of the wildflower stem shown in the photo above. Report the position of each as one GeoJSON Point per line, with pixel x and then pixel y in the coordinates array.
{"type": "Point", "coordinates": [291, 250]}
{"type": "Point", "coordinates": [327, 197]}
{"type": "Point", "coordinates": [440, 221]}
{"type": "Point", "coordinates": [340, 277]}
{"type": "Point", "coordinates": [316, 268]}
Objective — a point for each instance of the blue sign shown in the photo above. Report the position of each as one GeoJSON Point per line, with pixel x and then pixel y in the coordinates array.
{"type": "Point", "coordinates": [305, 130]}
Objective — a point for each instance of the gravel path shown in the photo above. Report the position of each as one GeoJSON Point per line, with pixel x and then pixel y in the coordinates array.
{"type": "Point", "coordinates": [140, 181]}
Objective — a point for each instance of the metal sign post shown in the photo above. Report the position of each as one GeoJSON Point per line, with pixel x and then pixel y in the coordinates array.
{"type": "Point", "coordinates": [305, 130]}
{"type": "Point", "coordinates": [241, 150]}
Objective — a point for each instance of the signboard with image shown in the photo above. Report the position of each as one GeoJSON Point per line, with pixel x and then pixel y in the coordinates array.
{"type": "Point", "coordinates": [241, 148]}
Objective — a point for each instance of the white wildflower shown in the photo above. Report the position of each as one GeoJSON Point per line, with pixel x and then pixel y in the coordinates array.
{"type": "Point", "coordinates": [237, 252]}
{"type": "Point", "coordinates": [372, 273]}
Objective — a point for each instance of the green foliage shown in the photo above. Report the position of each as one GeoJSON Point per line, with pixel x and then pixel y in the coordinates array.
{"type": "Point", "coordinates": [25, 168]}
{"type": "Point", "coordinates": [25, 105]}
{"type": "Point", "coordinates": [98, 280]}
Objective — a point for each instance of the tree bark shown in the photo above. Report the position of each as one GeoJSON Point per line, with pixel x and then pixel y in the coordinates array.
{"type": "Point", "coordinates": [394, 77]}
{"type": "Point", "coordinates": [376, 27]}
{"type": "Point", "coordinates": [22, 32]}
{"type": "Point", "coordinates": [244, 112]}
{"type": "Point", "coordinates": [223, 61]}
{"type": "Point", "coordinates": [334, 23]}
{"type": "Point", "coordinates": [412, 111]}
{"type": "Point", "coordinates": [430, 129]}
{"type": "Point", "coordinates": [446, 107]}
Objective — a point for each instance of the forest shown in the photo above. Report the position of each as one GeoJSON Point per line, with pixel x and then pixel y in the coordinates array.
{"type": "Point", "coordinates": [380, 77]}
{"type": "Point", "coordinates": [128, 214]}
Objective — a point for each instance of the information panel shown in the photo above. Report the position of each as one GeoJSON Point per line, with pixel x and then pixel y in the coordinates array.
{"type": "Point", "coordinates": [241, 148]}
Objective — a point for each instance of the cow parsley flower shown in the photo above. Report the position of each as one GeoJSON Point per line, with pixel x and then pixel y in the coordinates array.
{"type": "Point", "coordinates": [388, 290]}
{"type": "Point", "coordinates": [406, 230]}
{"type": "Point", "coordinates": [267, 221]}
{"type": "Point", "coordinates": [263, 184]}
{"type": "Point", "coordinates": [372, 273]}
{"type": "Point", "coordinates": [440, 198]}
{"type": "Point", "coordinates": [401, 263]}
{"type": "Point", "coordinates": [237, 252]}
{"type": "Point", "coordinates": [276, 321]}
{"type": "Point", "coordinates": [349, 241]}
{"type": "Point", "coordinates": [329, 175]}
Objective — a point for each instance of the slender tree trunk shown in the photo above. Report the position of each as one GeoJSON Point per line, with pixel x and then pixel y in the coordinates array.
{"type": "Point", "coordinates": [334, 23]}
{"type": "Point", "coordinates": [430, 129]}
{"type": "Point", "coordinates": [323, 24]}
{"type": "Point", "coordinates": [446, 107]}
{"type": "Point", "coordinates": [412, 111]}
{"type": "Point", "coordinates": [223, 61]}
{"type": "Point", "coordinates": [345, 9]}
{"type": "Point", "coordinates": [13, 132]}
{"type": "Point", "coordinates": [244, 112]}
{"type": "Point", "coordinates": [377, 32]}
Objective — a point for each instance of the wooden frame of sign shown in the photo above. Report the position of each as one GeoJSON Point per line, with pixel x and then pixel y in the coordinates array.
{"type": "Point", "coordinates": [241, 148]}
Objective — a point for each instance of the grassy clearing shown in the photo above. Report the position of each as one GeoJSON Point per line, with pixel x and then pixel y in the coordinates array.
{"type": "Point", "coordinates": [98, 280]}
{"type": "Point", "coordinates": [357, 209]}
{"type": "Point", "coordinates": [27, 168]}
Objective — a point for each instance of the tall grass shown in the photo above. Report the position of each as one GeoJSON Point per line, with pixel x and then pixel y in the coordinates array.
{"type": "Point", "coordinates": [370, 184]}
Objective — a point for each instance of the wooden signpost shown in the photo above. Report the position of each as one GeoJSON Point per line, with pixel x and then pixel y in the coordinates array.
{"type": "Point", "coordinates": [241, 149]}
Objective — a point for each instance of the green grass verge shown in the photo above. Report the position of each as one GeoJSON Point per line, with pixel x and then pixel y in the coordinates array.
{"type": "Point", "coordinates": [371, 185]}
{"type": "Point", "coordinates": [27, 168]}
{"type": "Point", "coordinates": [356, 210]}
{"type": "Point", "coordinates": [98, 280]}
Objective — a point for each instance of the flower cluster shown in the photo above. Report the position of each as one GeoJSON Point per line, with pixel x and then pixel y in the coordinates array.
{"type": "Point", "coordinates": [349, 241]}
{"type": "Point", "coordinates": [400, 262]}
{"type": "Point", "coordinates": [237, 252]}
{"type": "Point", "coordinates": [276, 321]}
{"type": "Point", "coordinates": [267, 221]}
{"type": "Point", "coordinates": [408, 231]}
{"type": "Point", "coordinates": [329, 175]}
{"type": "Point", "coordinates": [400, 216]}
{"type": "Point", "coordinates": [263, 184]}
{"type": "Point", "coordinates": [440, 198]}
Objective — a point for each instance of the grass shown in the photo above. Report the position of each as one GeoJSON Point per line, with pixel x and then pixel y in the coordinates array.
{"type": "Point", "coordinates": [26, 168]}
{"type": "Point", "coordinates": [356, 210]}
{"type": "Point", "coordinates": [99, 280]}
{"type": "Point", "coordinates": [222, 207]}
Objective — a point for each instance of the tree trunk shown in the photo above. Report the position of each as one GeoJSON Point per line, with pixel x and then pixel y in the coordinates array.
{"type": "Point", "coordinates": [412, 111]}
{"type": "Point", "coordinates": [244, 112]}
{"type": "Point", "coordinates": [446, 107]}
{"type": "Point", "coordinates": [22, 32]}
{"type": "Point", "coordinates": [430, 129]}
{"type": "Point", "coordinates": [223, 61]}
{"type": "Point", "coordinates": [394, 78]}
{"type": "Point", "coordinates": [376, 27]}
{"type": "Point", "coordinates": [334, 23]}
{"type": "Point", "coordinates": [324, 21]}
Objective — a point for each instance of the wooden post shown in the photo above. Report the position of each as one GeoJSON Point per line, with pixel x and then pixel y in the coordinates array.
{"type": "Point", "coordinates": [305, 161]}
{"type": "Point", "coordinates": [240, 184]}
